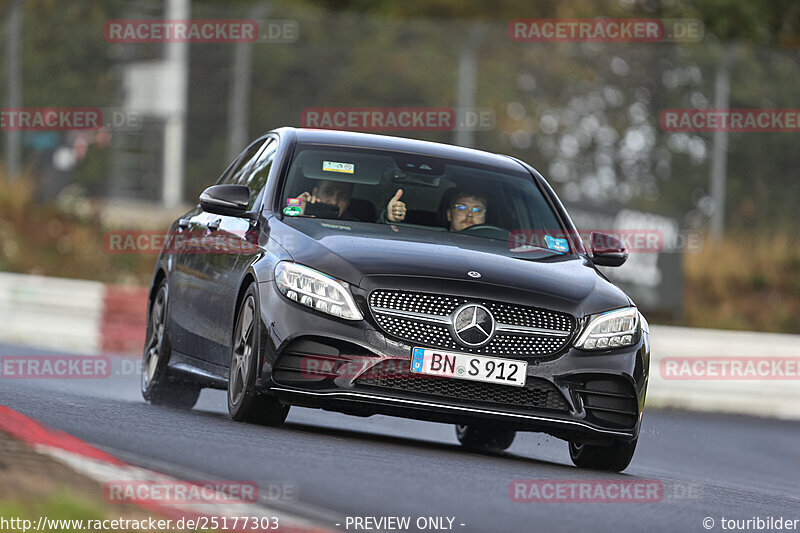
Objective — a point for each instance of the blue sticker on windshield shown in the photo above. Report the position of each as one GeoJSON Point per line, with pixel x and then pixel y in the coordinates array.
{"type": "Point", "coordinates": [554, 243]}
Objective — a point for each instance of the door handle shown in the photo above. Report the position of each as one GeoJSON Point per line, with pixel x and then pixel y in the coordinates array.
{"type": "Point", "coordinates": [214, 224]}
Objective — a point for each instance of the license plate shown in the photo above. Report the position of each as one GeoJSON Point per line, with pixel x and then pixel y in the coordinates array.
{"type": "Point", "coordinates": [467, 366]}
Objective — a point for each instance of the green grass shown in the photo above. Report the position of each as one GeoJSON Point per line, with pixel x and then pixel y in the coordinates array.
{"type": "Point", "coordinates": [61, 506]}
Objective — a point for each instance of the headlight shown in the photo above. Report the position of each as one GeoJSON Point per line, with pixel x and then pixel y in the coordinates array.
{"type": "Point", "coordinates": [613, 329]}
{"type": "Point", "coordinates": [316, 290]}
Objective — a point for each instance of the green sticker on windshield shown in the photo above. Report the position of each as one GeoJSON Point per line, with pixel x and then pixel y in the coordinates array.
{"type": "Point", "coordinates": [292, 210]}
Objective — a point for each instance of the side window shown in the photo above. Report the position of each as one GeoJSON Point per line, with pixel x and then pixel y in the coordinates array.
{"type": "Point", "coordinates": [234, 172]}
{"type": "Point", "coordinates": [258, 174]}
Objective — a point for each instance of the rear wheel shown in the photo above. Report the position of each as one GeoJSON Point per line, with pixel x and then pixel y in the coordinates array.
{"type": "Point", "coordinates": [484, 439]}
{"type": "Point", "coordinates": [157, 386]}
{"type": "Point", "coordinates": [244, 404]}
{"type": "Point", "coordinates": [613, 458]}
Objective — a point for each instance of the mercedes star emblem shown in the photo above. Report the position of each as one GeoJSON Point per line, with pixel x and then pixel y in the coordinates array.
{"type": "Point", "coordinates": [472, 325]}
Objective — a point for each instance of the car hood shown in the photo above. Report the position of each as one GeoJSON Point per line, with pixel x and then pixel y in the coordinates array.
{"type": "Point", "coordinates": [373, 255]}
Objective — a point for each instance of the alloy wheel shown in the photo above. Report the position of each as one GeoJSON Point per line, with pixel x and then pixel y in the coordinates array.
{"type": "Point", "coordinates": [242, 351]}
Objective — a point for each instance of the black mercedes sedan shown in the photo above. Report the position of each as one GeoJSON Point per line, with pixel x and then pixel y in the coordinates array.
{"type": "Point", "coordinates": [370, 274]}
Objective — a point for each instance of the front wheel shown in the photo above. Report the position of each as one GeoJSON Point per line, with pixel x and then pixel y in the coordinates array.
{"type": "Point", "coordinates": [157, 386]}
{"type": "Point", "coordinates": [484, 439]}
{"type": "Point", "coordinates": [613, 458]}
{"type": "Point", "coordinates": [244, 403]}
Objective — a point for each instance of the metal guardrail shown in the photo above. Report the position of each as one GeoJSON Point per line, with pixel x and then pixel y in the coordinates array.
{"type": "Point", "coordinates": [54, 313]}
{"type": "Point", "coordinates": [72, 316]}
{"type": "Point", "coordinates": [768, 396]}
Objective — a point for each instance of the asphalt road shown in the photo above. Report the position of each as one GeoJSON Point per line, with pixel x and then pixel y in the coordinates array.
{"type": "Point", "coordinates": [710, 465]}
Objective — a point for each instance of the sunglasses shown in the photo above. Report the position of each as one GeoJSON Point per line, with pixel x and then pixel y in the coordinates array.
{"type": "Point", "coordinates": [461, 208]}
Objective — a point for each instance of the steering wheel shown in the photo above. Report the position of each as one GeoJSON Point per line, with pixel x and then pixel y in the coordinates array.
{"type": "Point", "coordinates": [486, 230]}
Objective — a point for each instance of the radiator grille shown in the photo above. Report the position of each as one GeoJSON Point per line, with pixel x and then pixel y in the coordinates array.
{"type": "Point", "coordinates": [407, 315]}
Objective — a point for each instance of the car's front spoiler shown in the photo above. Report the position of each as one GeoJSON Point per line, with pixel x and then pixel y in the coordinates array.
{"type": "Point", "coordinates": [346, 401]}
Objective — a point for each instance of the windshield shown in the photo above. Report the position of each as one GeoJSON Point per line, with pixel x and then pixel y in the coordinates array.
{"type": "Point", "coordinates": [424, 198]}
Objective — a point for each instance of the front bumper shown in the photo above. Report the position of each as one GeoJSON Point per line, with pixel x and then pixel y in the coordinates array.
{"type": "Point", "coordinates": [312, 360]}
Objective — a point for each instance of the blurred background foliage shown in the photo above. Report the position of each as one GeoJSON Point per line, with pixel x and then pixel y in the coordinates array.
{"type": "Point", "coordinates": [585, 114]}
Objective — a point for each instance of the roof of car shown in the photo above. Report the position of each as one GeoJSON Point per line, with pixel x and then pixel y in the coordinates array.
{"type": "Point", "coordinates": [388, 142]}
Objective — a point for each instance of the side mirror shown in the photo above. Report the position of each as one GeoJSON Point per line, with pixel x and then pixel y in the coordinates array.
{"type": "Point", "coordinates": [607, 250]}
{"type": "Point", "coordinates": [231, 200]}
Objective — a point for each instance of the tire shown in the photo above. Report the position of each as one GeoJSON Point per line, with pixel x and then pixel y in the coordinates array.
{"type": "Point", "coordinates": [613, 458]}
{"type": "Point", "coordinates": [244, 403]}
{"type": "Point", "coordinates": [157, 386]}
{"type": "Point", "coordinates": [483, 439]}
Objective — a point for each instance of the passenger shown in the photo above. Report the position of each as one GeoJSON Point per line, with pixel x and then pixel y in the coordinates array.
{"type": "Point", "coordinates": [467, 208]}
{"type": "Point", "coordinates": [337, 195]}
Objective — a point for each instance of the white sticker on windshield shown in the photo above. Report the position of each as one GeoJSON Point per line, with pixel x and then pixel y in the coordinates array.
{"type": "Point", "coordinates": [333, 166]}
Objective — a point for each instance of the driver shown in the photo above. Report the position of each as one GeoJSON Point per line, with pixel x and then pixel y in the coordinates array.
{"type": "Point", "coordinates": [467, 208]}
{"type": "Point", "coordinates": [335, 193]}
